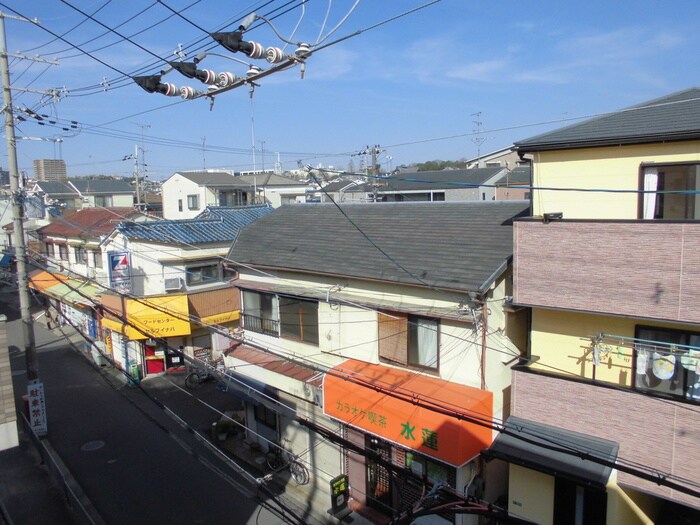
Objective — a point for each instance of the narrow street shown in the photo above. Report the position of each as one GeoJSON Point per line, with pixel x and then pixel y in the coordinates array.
{"type": "Point", "coordinates": [135, 464]}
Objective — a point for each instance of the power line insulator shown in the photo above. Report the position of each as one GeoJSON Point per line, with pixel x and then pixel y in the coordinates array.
{"type": "Point", "coordinates": [254, 70]}
{"type": "Point", "coordinates": [302, 50]}
{"type": "Point", "coordinates": [227, 79]}
{"type": "Point", "coordinates": [152, 84]}
{"type": "Point", "coordinates": [274, 55]}
{"type": "Point", "coordinates": [188, 92]}
{"type": "Point", "coordinates": [256, 50]}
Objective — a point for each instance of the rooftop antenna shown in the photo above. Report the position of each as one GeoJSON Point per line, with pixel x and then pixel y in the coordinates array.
{"type": "Point", "coordinates": [478, 140]}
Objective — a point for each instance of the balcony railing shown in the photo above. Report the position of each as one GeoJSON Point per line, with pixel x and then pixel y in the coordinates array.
{"type": "Point", "coordinates": [261, 325]}
{"type": "Point", "coordinates": [663, 368]}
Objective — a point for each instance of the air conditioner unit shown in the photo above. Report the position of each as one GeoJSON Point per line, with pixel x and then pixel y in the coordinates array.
{"type": "Point", "coordinates": [174, 284]}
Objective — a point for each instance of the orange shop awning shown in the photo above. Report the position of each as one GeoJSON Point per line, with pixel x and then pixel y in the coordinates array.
{"type": "Point", "coordinates": [398, 405]}
{"type": "Point", "coordinates": [40, 280]}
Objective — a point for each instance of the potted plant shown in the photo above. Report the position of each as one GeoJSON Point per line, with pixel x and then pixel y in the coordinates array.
{"type": "Point", "coordinates": [224, 427]}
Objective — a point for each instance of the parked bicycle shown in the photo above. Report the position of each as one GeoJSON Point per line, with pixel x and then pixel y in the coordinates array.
{"type": "Point", "coordinates": [279, 459]}
{"type": "Point", "coordinates": [201, 374]}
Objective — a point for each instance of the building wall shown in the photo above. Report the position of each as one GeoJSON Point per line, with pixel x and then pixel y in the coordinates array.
{"type": "Point", "coordinates": [531, 495]}
{"type": "Point", "coordinates": [178, 188]}
{"type": "Point", "coordinates": [53, 170]}
{"type": "Point", "coordinates": [658, 433]}
{"type": "Point", "coordinates": [610, 168]}
{"type": "Point", "coordinates": [9, 436]}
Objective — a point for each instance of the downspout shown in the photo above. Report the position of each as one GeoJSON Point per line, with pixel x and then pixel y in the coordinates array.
{"type": "Point", "coordinates": [484, 327]}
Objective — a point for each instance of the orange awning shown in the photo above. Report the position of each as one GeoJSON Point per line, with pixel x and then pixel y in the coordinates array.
{"type": "Point", "coordinates": [41, 279]}
{"type": "Point", "coordinates": [401, 407]}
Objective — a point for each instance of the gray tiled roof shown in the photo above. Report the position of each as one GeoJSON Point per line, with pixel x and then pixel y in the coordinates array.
{"type": "Point", "coordinates": [209, 178]}
{"type": "Point", "coordinates": [519, 175]}
{"type": "Point", "coordinates": [91, 187]}
{"type": "Point", "coordinates": [673, 117]}
{"type": "Point", "coordinates": [215, 224]}
{"type": "Point", "coordinates": [55, 188]}
{"type": "Point", "coordinates": [433, 180]}
{"type": "Point", "coordinates": [453, 245]}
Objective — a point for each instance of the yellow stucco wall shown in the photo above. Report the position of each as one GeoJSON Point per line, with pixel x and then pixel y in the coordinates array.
{"type": "Point", "coordinates": [531, 495]}
{"type": "Point", "coordinates": [608, 168]}
{"type": "Point", "coordinates": [561, 344]}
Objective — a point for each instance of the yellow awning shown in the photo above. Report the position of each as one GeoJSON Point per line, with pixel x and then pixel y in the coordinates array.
{"type": "Point", "coordinates": [222, 318]}
{"type": "Point", "coordinates": [155, 317]}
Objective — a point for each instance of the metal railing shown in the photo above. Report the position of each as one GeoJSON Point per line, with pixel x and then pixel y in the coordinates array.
{"type": "Point", "coordinates": [261, 325]}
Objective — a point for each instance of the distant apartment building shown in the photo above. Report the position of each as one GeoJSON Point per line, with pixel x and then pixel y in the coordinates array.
{"type": "Point", "coordinates": [50, 170]}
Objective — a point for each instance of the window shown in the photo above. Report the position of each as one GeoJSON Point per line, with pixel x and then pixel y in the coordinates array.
{"type": "Point", "coordinates": [265, 416]}
{"type": "Point", "coordinates": [193, 202]}
{"type": "Point", "coordinates": [288, 317]}
{"type": "Point", "coordinates": [578, 505]}
{"type": "Point", "coordinates": [260, 313]}
{"type": "Point", "coordinates": [669, 179]}
{"type": "Point", "coordinates": [50, 250]}
{"type": "Point", "coordinates": [409, 340]}
{"type": "Point", "coordinates": [299, 319]}
{"type": "Point", "coordinates": [104, 201]}
{"type": "Point", "coordinates": [667, 362]}
{"type": "Point", "coordinates": [197, 275]}
{"type": "Point", "coordinates": [179, 205]}
{"type": "Point", "coordinates": [81, 255]}
{"type": "Point", "coordinates": [63, 252]}
{"type": "Point", "coordinates": [97, 258]}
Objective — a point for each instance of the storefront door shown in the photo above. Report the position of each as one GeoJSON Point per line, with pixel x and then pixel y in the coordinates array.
{"type": "Point", "coordinates": [378, 476]}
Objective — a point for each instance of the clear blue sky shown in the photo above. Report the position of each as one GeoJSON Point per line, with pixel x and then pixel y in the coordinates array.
{"type": "Point", "coordinates": [412, 85]}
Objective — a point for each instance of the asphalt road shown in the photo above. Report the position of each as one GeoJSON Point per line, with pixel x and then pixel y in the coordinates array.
{"type": "Point", "coordinates": [134, 463]}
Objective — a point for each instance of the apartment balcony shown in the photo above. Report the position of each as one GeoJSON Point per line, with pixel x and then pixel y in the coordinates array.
{"type": "Point", "coordinates": [643, 269]}
{"type": "Point", "coordinates": [658, 434]}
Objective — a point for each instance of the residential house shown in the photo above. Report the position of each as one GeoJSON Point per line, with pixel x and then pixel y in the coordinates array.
{"type": "Point", "coordinates": [444, 185]}
{"type": "Point", "coordinates": [504, 158]}
{"type": "Point", "coordinates": [186, 194]}
{"type": "Point", "coordinates": [71, 270]}
{"type": "Point", "coordinates": [608, 265]}
{"type": "Point", "coordinates": [515, 184]}
{"type": "Point", "coordinates": [376, 343]}
{"type": "Point", "coordinates": [177, 285]}
{"type": "Point", "coordinates": [76, 194]}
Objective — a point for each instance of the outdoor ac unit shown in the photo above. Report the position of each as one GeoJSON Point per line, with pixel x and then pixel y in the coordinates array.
{"type": "Point", "coordinates": [174, 284]}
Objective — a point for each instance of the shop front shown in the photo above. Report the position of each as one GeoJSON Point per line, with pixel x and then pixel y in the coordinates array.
{"type": "Point", "coordinates": [143, 332]}
{"type": "Point", "coordinates": [415, 430]}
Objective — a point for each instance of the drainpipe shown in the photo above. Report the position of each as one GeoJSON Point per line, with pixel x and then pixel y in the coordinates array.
{"type": "Point", "coordinates": [484, 327]}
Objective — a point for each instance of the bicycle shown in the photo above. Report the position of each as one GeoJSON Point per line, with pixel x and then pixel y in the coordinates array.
{"type": "Point", "coordinates": [279, 459]}
{"type": "Point", "coordinates": [196, 377]}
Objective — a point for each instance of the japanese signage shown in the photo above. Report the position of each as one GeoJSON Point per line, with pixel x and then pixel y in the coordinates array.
{"type": "Point", "coordinates": [340, 491]}
{"type": "Point", "coordinates": [384, 401]}
{"type": "Point", "coordinates": [37, 408]}
{"type": "Point", "coordinates": [120, 271]}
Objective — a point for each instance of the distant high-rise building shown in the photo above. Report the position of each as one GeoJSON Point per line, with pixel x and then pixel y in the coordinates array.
{"type": "Point", "coordinates": [50, 170]}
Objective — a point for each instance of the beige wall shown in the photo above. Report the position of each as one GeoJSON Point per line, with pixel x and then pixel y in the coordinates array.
{"type": "Point", "coordinates": [8, 416]}
{"type": "Point", "coordinates": [609, 168]}
{"type": "Point", "coordinates": [531, 495]}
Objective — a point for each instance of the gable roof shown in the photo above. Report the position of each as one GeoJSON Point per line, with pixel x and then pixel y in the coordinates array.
{"type": "Point", "coordinates": [54, 188]}
{"type": "Point", "coordinates": [209, 178]}
{"type": "Point", "coordinates": [452, 245]}
{"type": "Point", "coordinates": [214, 224]}
{"type": "Point", "coordinates": [670, 118]}
{"type": "Point", "coordinates": [520, 175]}
{"type": "Point", "coordinates": [88, 223]}
{"type": "Point", "coordinates": [438, 180]}
{"type": "Point", "coordinates": [91, 187]}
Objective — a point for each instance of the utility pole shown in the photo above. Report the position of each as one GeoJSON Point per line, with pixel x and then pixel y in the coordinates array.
{"type": "Point", "coordinates": [17, 211]}
{"type": "Point", "coordinates": [478, 139]}
{"type": "Point", "coordinates": [136, 177]}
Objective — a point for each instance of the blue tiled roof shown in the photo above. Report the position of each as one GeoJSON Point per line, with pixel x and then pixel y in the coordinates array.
{"type": "Point", "coordinates": [214, 224]}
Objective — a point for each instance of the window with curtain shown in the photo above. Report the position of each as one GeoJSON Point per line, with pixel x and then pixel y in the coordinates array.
{"type": "Point", "coordinates": [193, 202]}
{"type": "Point", "coordinates": [409, 340]}
{"type": "Point", "coordinates": [669, 192]}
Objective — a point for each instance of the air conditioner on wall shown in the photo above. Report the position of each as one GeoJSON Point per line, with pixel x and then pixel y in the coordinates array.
{"type": "Point", "coordinates": [174, 284]}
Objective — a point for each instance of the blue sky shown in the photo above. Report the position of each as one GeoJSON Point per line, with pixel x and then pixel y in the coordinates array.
{"type": "Point", "coordinates": [413, 86]}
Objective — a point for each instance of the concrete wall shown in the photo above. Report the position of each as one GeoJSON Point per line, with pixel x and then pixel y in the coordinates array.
{"type": "Point", "coordinates": [9, 436]}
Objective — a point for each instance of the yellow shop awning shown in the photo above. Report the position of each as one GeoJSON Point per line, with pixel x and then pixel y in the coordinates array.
{"type": "Point", "coordinates": [222, 318]}
{"type": "Point", "coordinates": [153, 317]}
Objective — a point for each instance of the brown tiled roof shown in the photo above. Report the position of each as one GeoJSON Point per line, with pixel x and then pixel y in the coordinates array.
{"type": "Point", "coordinates": [87, 223]}
{"type": "Point", "coordinates": [275, 364]}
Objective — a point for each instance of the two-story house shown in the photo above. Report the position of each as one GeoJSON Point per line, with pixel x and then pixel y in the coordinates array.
{"type": "Point", "coordinates": [170, 287]}
{"type": "Point", "coordinates": [76, 194]}
{"type": "Point", "coordinates": [608, 400]}
{"type": "Point", "coordinates": [186, 194]}
{"type": "Point", "coordinates": [377, 344]}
